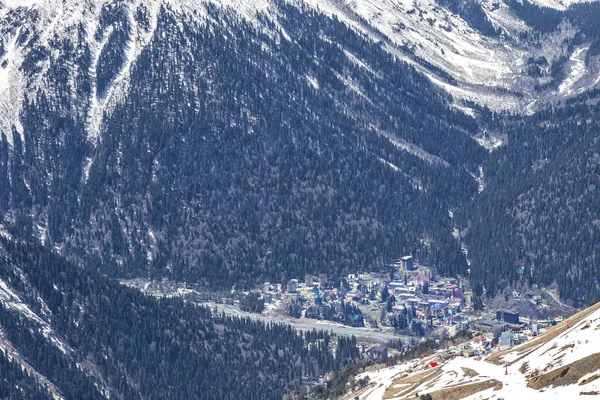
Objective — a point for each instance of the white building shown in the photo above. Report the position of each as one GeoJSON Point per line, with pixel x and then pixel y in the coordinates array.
{"type": "Point", "coordinates": [292, 286]}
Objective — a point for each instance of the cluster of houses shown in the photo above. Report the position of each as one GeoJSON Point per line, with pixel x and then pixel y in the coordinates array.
{"type": "Point", "coordinates": [272, 291]}
{"type": "Point", "coordinates": [430, 299]}
{"type": "Point", "coordinates": [478, 346]}
{"type": "Point", "coordinates": [509, 330]}
{"type": "Point", "coordinates": [436, 303]}
{"type": "Point", "coordinates": [409, 289]}
{"type": "Point", "coordinates": [409, 293]}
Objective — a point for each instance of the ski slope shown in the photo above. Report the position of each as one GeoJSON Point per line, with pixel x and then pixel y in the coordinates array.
{"type": "Point", "coordinates": [561, 363]}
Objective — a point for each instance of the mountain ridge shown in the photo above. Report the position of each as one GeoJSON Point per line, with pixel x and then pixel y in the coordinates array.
{"type": "Point", "coordinates": [489, 69]}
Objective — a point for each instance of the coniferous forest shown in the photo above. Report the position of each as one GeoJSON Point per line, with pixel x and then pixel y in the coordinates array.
{"type": "Point", "coordinates": [230, 150]}
{"type": "Point", "coordinates": [93, 338]}
{"type": "Point", "coordinates": [253, 158]}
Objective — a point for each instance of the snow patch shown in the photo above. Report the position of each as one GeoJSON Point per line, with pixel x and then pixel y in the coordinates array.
{"type": "Point", "coordinates": [480, 179]}
{"type": "Point", "coordinates": [416, 150]}
{"type": "Point", "coordinates": [490, 142]}
{"type": "Point", "coordinates": [152, 245]}
{"type": "Point", "coordinates": [576, 73]}
{"type": "Point", "coordinates": [4, 233]}
{"type": "Point", "coordinates": [389, 164]}
{"type": "Point", "coordinates": [12, 84]}
{"type": "Point", "coordinates": [313, 82]}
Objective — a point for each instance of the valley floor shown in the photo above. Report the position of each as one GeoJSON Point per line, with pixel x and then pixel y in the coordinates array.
{"type": "Point", "coordinates": [366, 335]}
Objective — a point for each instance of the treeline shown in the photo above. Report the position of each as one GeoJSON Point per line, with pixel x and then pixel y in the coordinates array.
{"type": "Point", "coordinates": [100, 339]}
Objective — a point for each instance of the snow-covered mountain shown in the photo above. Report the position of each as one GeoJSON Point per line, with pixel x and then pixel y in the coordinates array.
{"type": "Point", "coordinates": [476, 52]}
{"type": "Point", "coordinates": [481, 47]}
{"type": "Point", "coordinates": [92, 90]}
{"type": "Point", "coordinates": [561, 363]}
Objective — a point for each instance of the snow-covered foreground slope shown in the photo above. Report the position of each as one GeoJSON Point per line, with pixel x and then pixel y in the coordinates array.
{"type": "Point", "coordinates": [562, 363]}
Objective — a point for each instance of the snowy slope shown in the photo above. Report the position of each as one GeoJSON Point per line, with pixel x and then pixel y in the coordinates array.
{"type": "Point", "coordinates": [558, 4]}
{"type": "Point", "coordinates": [562, 363]}
{"type": "Point", "coordinates": [487, 70]}
{"type": "Point", "coordinates": [31, 25]}
{"type": "Point", "coordinates": [439, 37]}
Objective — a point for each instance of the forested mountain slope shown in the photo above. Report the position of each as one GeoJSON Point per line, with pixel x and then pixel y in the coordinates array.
{"type": "Point", "coordinates": [66, 332]}
{"type": "Point", "coordinates": [228, 143]}
{"type": "Point", "coordinates": [241, 151]}
{"type": "Point", "coordinates": [234, 142]}
{"type": "Point", "coordinates": [538, 219]}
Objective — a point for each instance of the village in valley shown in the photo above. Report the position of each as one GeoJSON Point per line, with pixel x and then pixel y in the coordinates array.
{"type": "Point", "coordinates": [410, 300]}
{"type": "Point", "coordinates": [389, 311]}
